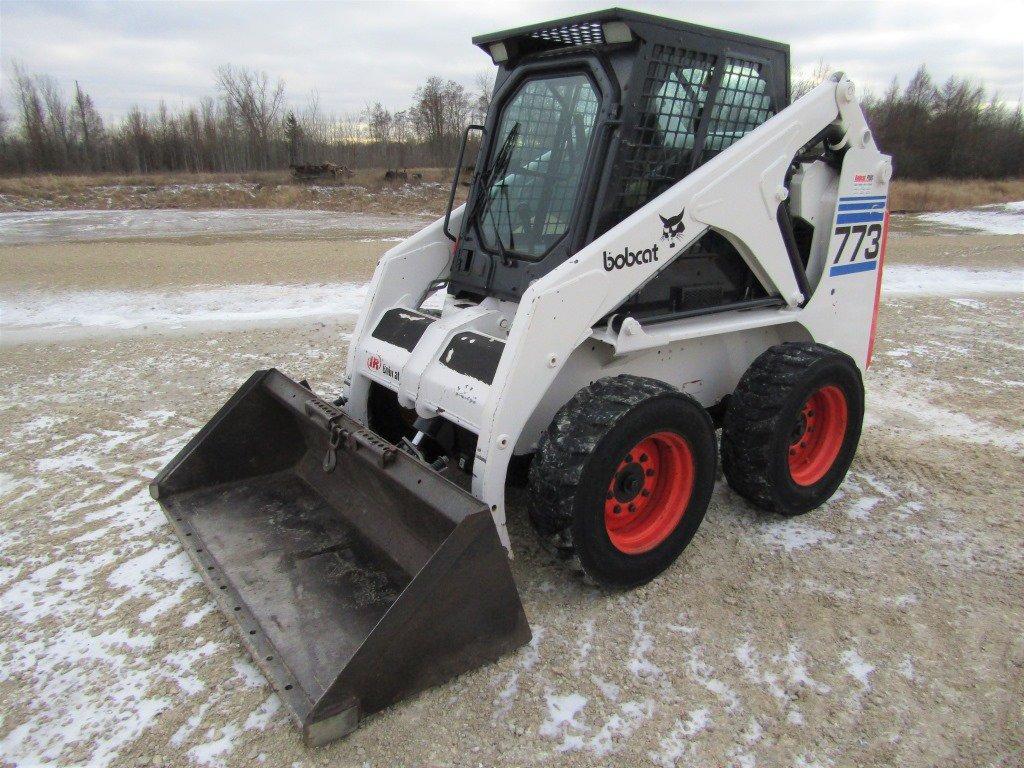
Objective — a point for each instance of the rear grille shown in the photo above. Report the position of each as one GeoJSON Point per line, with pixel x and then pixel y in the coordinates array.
{"type": "Point", "coordinates": [585, 33]}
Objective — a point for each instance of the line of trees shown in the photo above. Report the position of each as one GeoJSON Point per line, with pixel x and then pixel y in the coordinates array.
{"type": "Point", "coordinates": [954, 130]}
{"type": "Point", "coordinates": [247, 126]}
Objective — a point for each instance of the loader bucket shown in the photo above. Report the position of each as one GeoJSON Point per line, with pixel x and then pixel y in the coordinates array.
{"type": "Point", "coordinates": [355, 573]}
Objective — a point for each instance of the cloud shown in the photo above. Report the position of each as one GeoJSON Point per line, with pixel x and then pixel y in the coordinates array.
{"type": "Point", "coordinates": [352, 53]}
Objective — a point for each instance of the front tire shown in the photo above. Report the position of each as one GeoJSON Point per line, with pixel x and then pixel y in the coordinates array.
{"type": "Point", "coordinates": [622, 478]}
{"type": "Point", "coordinates": [792, 427]}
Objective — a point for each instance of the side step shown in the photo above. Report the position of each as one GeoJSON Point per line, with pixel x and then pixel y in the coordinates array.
{"type": "Point", "coordinates": [355, 574]}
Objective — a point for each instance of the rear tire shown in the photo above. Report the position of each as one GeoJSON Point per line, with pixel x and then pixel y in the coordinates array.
{"type": "Point", "coordinates": [622, 478]}
{"type": "Point", "coordinates": [792, 427]}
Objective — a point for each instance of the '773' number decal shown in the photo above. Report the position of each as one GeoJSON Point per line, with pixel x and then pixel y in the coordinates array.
{"type": "Point", "coordinates": [870, 232]}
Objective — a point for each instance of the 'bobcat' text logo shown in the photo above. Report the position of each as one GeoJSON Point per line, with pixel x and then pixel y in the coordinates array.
{"type": "Point", "coordinates": [672, 227]}
{"type": "Point", "coordinates": [630, 258]}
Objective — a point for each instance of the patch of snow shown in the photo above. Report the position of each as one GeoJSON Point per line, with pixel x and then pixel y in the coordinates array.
{"type": "Point", "coordinates": [562, 722]}
{"type": "Point", "coordinates": [528, 657]}
{"type": "Point", "coordinates": [213, 752]}
{"type": "Point", "coordinates": [246, 672]}
{"type": "Point", "coordinates": [608, 689]}
{"type": "Point", "coordinates": [260, 719]}
{"type": "Point", "coordinates": [643, 643]}
{"type": "Point", "coordinates": [184, 662]}
{"type": "Point", "coordinates": [969, 303]}
{"type": "Point", "coordinates": [679, 740]}
{"type": "Point", "coordinates": [862, 507]}
{"type": "Point", "coordinates": [583, 646]}
{"type": "Point", "coordinates": [792, 535]}
{"type": "Point", "coordinates": [9, 483]}
{"type": "Point", "coordinates": [33, 314]}
{"type": "Point", "coordinates": [906, 668]}
{"type": "Point", "coordinates": [620, 726]}
{"type": "Point", "coordinates": [937, 421]}
{"type": "Point", "coordinates": [857, 668]}
{"type": "Point", "coordinates": [704, 673]}
{"type": "Point", "coordinates": [51, 226]}
{"type": "Point", "coordinates": [998, 219]}
{"type": "Point", "coordinates": [921, 280]}
{"type": "Point", "coordinates": [754, 732]}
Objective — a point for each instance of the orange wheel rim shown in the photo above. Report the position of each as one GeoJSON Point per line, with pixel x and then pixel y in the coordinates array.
{"type": "Point", "coordinates": [818, 435]}
{"type": "Point", "coordinates": [649, 492]}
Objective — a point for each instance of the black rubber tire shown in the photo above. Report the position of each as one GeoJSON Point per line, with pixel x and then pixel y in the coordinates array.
{"type": "Point", "coordinates": [577, 455]}
{"type": "Point", "coordinates": [757, 428]}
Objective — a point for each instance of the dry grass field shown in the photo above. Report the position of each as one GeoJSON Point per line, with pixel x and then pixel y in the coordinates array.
{"type": "Point", "coordinates": [951, 194]}
{"type": "Point", "coordinates": [367, 190]}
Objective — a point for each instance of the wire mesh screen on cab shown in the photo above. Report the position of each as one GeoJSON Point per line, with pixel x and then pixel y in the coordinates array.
{"type": "Point", "coordinates": [691, 107]}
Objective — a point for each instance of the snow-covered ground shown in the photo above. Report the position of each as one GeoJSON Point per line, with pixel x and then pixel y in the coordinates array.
{"type": "Point", "coordinates": [997, 219]}
{"type": "Point", "coordinates": [34, 314]}
{"type": "Point", "coordinates": [81, 226]}
{"type": "Point", "coordinates": [915, 279]}
{"type": "Point", "coordinates": [880, 629]}
{"type": "Point", "coordinates": [31, 314]}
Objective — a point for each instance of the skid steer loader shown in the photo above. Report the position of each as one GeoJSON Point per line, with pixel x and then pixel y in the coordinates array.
{"type": "Point", "coordinates": [656, 243]}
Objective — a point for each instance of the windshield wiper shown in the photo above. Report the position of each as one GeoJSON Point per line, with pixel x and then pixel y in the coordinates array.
{"type": "Point", "coordinates": [502, 158]}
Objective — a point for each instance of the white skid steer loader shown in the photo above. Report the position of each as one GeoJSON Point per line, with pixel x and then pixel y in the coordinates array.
{"type": "Point", "coordinates": [655, 243]}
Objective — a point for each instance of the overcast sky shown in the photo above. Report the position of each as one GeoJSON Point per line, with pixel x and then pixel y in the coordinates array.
{"type": "Point", "coordinates": [352, 53]}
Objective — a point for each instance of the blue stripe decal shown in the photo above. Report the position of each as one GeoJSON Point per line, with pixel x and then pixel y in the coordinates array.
{"type": "Point", "coordinates": [867, 205]}
{"type": "Point", "coordinates": [849, 269]}
{"type": "Point", "coordinates": [851, 198]}
{"type": "Point", "coordinates": [860, 217]}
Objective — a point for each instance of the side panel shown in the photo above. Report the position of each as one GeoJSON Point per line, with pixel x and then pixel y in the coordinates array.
{"type": "Point", "coordinates": [842, 311]}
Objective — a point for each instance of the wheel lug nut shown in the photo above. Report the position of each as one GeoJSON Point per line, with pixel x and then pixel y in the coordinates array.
{"type": "Point", "coordinates": [650, 473]}
{"type": "Point", "coordinates": [632, 507]}
{"type": "Point", "coordinates": [643, 457]}
{"type": "Point", "coordinates": [617, 509]}
{"type": "Point", "coordinates": [645, 492]}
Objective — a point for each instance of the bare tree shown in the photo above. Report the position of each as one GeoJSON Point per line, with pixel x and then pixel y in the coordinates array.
{"type": "Point", "coordinates": [814, 79]}
{"type": "Point", "coordinates": [90, 127]}
{"type": "Point", "coordinates": [379, 126]}
{"type": "Point", "coordinates": [440, 112]}
{"type": "Point", "coordinates": [483, 86]}
{"type": "Point", "coordinates": [257, 103]}
{"type": "Point", "coordinates": [33, 122]}
{"type": "Point", "coordinates": [401, 134]}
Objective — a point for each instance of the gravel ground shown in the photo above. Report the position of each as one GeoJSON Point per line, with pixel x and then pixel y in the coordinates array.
{"type": "Point", "coordinates": [881, 629]}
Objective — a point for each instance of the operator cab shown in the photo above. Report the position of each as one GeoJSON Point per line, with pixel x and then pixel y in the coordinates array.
{"type": "Point", "coordinates": [592, 117]}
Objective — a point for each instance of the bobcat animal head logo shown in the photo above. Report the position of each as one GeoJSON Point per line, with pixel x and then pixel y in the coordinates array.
{"type": "Point", "coordinates": [672, 227]}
